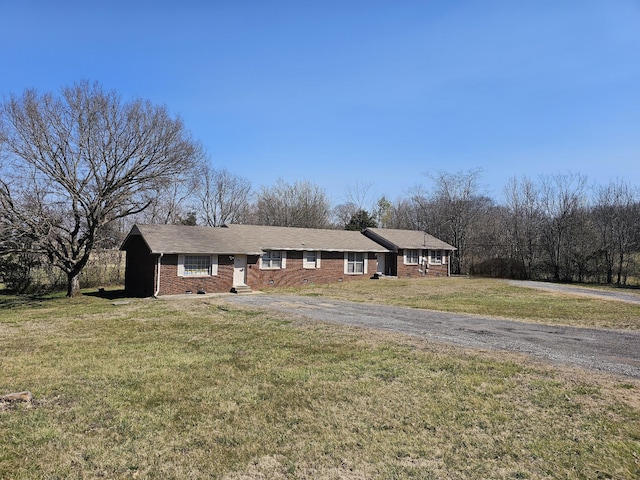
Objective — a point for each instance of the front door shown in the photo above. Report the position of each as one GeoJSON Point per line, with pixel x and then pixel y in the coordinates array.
{"type": "Point", "coordinates": [391, 264]}
{"type": "Point", "coordinates": [381, 259]}
{"type": "Point", "coordinates": [239, 270]}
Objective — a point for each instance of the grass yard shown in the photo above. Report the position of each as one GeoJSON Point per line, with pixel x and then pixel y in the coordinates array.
{"type": "Point", "coordinates": [488, 297]}
{"type": "Point", "coordinates": [192, 388]}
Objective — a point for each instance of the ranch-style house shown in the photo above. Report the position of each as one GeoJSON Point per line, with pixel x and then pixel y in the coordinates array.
{"type": "Point", "coordinates": [178, 259]}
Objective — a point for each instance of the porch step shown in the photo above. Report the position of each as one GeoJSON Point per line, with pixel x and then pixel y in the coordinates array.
{"type": "Point", "coordinates": [241, 289]}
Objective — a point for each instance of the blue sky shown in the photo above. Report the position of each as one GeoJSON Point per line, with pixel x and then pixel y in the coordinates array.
{"type": "Point", "coordinates": [371, 93]}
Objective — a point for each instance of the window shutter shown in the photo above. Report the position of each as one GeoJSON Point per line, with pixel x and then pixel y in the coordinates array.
{"type": "Point", "coordinates": [214, 264]}
{"type": "Point", "coordinates": [365, 258]}
{"type": "Point", "coordinates": [284, 259]}
{"type": "Point", "coordinates": [346, 262]}
{"type": "Point", "coordinates": [318, 259]}
{"type": "Point", "coordinates": [181, 265]}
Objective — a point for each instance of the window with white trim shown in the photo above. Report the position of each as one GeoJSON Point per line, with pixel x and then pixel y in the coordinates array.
{"type": "Point", "coordinates": [197, 265]}
{"type": "Point", "coordinates": [355, 263]}
{"type": "Point", "coordinates": [436, 256]}
{"type": "Point", "coordinates": [310, 259]}
{"type": "Point", "coordinates": [411, 257]}
{"type": "Point", "coordinates": [272, 260]}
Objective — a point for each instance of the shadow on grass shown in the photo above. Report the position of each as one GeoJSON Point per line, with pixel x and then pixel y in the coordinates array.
{"type": "Point", "coordinates": [111, 294]}
{"type": "Point", "coordinates": [10, 300]}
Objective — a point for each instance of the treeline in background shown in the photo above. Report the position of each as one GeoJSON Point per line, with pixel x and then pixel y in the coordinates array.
{"type": "Point", "coordinates": [80, 167]}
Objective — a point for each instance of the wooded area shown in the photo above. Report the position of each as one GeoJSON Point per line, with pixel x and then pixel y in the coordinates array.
{"type": "Point", "coordinates": [78, 169]}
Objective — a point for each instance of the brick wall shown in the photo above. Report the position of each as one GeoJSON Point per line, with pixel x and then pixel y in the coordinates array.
{"type": "Point", "coordinates": [172, 284]}
{"type": "Point", "coordinates": [331, 270]}
{"type": "Point", "coordinates": [413, 271]}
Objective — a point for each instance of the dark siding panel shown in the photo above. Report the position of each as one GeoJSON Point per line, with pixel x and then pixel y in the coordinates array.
{"type": "Point", "coordinates": [139, 277]}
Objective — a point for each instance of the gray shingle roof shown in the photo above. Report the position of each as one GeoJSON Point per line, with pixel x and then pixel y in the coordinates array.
{"type": "Point", "coordinates": [291, 238]}
{"type": "Point", "coordinates": [249, 239]}
{"type": "Point", "coordinates": [189, 239]}
{"type": "Point", "coordinates": [407, 239]}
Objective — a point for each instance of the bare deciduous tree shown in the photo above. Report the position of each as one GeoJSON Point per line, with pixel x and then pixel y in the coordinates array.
{"type": "Point", "coordinates": [343, 212]}
{"type": "Point", "coordinates": [77, 161]}
{"type": "Point", "coordinates": [617, 220]}
{"type": "Point", "coordinates": [301, 204]}
{"type": "Point", "coordinates": [562, 197]}
{"type": "Point", "coordinates": [171, 203]}
{"type": "Point", "coordinates": [523, 221]}
{"type": "Point", "coordinates": [456, 206]}
{"type": "Point", "coordinates": [223, 197]}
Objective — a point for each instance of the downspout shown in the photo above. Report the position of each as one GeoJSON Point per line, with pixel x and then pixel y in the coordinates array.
{"type": "Point", "coordinates": [158, 275]}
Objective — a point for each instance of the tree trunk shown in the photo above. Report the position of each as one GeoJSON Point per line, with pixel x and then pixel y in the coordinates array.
{"type": "Point", "coordinates": [620, 268]}
{"type": "Point", "coordinates": [73, 284]}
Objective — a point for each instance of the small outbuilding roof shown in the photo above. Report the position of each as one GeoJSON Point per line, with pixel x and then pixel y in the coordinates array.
{"type": "Point", "coordinates": [248, 239]}
{"type": "Point", "coordinates": [395, 239]}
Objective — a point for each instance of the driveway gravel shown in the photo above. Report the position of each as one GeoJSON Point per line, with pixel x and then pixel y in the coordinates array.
{"type": "Point", "coordinates": [620, 295]}
{"type": "Point", "coordinates": [610, 351]}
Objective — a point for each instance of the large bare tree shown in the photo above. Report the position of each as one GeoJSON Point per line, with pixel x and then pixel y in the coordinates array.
{"type": "Point", "coordinates": [453, 210]}
{"type": "Point", "coordinates": [301, 204]}
{"type": "Point", "coordinates": [563, 198]}
{"type": "Point", "coordinates": [523, 221]}
{"type": "Point", "coordinates": [223, 197]}
{"type": "Point", "coordinates": [617, 221]}
{"type": "Point", "coordinates": [77, 161]}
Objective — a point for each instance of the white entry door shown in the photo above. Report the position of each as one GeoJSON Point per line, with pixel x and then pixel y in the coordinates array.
{"type": "Point", "coordinates": [239, 270]}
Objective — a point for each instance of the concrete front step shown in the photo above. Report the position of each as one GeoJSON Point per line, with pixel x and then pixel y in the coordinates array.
{"type": "Point", "coordinates": [241, 289]}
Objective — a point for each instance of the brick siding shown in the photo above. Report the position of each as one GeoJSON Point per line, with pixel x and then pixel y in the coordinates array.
{"type": "Point", "coordinates": [140, 279]}
{"type": "Point", "coordinates": [331, 270]}
{"type": "Point", "coordinates": [172, 284]}
{"type": "Point", "coordinates": [414, 271]}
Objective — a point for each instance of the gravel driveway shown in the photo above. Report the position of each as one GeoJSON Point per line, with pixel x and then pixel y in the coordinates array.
{"type": "Point", "coordinates": [610, 351]}
{"type": "Point", "coordinates": [621, 295]}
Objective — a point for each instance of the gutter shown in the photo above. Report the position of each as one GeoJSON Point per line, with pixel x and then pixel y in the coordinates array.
{"type": "Point", "coordinates": [157, 292]}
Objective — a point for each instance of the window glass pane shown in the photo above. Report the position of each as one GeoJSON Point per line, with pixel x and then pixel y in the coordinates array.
{"type": "Point", "coordinates": [310, 260]}
{"type": "Point", "coordinates": [197, 265]}
{"type": "Point", "coordinates": [272, 260]}
{"type": "Point", "coordinates": [412, 256]}
{"type": "Point", "coordinates": [355, 262]}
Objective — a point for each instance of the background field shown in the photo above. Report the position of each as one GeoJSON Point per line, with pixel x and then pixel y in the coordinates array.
{"type": "Point", "coordinates": [191, 388]}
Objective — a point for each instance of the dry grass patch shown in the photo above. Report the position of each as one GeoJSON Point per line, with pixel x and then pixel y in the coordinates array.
{"type": "Point", "coordinates": [197, 389]}
{"type": "Point", "coordinates": [488, 297]}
